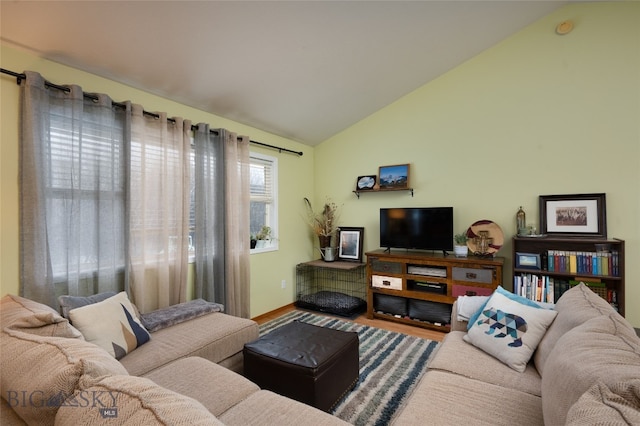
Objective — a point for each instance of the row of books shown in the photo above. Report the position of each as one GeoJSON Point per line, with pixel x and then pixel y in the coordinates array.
{"type": "Point", "coordinates": [542, 288]}
{"type": "Point", "coordinates": [583, 262]}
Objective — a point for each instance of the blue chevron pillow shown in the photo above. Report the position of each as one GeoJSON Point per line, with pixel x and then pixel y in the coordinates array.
{"type": "Point", "coordinates": [111, 324]}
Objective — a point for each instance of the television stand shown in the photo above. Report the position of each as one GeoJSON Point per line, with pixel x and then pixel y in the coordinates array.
{"type": "Point", "coordinates": [419, 288]}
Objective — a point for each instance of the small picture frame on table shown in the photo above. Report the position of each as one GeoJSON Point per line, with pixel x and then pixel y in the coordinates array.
{"type": "Point", "coordinates": [528, 261]}
{"type": "Point", "coordinates": [350, 243]}
{"type": "Point", "coordinates": [394, 177]}
{"type": "Point", "coordinates": [574, 215]}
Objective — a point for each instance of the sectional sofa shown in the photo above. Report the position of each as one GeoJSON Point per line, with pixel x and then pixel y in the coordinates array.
{"type": "Point", "coordinates": [585, 371]}
{"type": "Point", "coordinates": [51, 375]}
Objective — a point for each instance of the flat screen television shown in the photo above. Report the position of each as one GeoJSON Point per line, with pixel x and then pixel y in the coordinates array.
{"type": "Point", "coordinates": [419, 228]}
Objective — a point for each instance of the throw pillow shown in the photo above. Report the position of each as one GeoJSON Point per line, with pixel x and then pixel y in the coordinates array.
{"type": "Point", "coordinates": [68, 303]}
{"type": "Point", "coordinates": [605, 349]}
{"type": "Point", "coordinates": [175, 314]}
{"type": "Point", "coordinates": [39, 372]}
{"type": "Point", "coordinates": [575, 307]}
{"type": "Point", "coordinates": [18, 313]}
{"type": "Point", "coordinates": [473, 318]}
{"type": "Point", "coordinates": [111, 324]}
{"type": "Point", "coordinates": [603, 404]}
{"type": "Point", "coordinates": [509, 330]}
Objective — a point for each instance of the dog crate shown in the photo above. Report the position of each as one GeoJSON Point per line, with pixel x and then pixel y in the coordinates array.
{"type": "Point", "coordinates": [333, 287]}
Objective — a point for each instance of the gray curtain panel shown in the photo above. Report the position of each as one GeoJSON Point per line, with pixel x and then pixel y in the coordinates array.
{"type": "Point", "coordinates": [209, 235]}
{"type": "Point", "coordinates": [73, 192]}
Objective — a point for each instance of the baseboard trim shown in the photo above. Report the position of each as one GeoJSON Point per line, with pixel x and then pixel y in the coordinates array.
{"type": "Point", "coordinates": [275, 313]}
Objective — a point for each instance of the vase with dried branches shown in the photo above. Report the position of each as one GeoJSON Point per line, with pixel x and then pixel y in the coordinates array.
{"type": "Point", "coordinates": [323, 223]}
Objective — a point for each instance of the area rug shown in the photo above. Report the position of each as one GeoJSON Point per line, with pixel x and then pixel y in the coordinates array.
{"type": "Point", "coordinates": [391, 364]}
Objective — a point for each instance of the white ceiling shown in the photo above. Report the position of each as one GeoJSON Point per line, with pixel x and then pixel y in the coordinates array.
{"type": "Point", "coordinates": [304, 70]}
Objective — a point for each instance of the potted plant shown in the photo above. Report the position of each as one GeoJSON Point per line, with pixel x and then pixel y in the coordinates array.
{"type": "Point", "coordinates": [460, 248]}
{"type": "Point", "coordinates": [324, 223]}
{"type": "Point", "coordinates": [263, 236]}
{"type": "Point", "coordinates": [253, 241]}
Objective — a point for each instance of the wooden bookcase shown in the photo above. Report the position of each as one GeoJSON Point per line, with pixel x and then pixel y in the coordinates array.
{"type": "Point", "coordinates": [580, 248]}
{"type": "Point", "coordinates": [404, 284]}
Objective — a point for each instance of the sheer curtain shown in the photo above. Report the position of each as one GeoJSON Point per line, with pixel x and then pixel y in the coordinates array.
{"type": "Point", "coordinates": [237, 243]}
{"type": "Point", "coordinates": [159, 209]}
{"type": "Point", "coordinates": [105, 202]}
{"type": "Point", "coordinates": [222, 219]}
{"type": "Point", "coordinates": [72, 192]}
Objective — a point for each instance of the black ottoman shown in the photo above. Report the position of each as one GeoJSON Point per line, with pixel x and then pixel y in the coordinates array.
{"type": "Point", "coordinates": [310, 364]}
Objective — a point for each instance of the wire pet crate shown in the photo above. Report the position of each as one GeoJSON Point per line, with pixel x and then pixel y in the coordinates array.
{"type": "Point", "coordinates": [333, 287]}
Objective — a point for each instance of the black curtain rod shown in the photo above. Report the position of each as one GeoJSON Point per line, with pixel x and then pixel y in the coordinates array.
{"type": "Point", "coordinates": [19, 77]}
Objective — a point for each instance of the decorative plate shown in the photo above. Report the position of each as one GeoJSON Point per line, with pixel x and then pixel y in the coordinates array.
{"type": "Point", "coordinates": [366, 182]}
{"type": "Point", "coordinates": [494, 232]}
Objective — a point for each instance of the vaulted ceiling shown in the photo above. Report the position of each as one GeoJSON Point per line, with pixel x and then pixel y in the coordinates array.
{"type": "Point", "coordinates": [304, 70]}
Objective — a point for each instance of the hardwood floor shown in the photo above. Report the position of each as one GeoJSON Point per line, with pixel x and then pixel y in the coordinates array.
{"type": "Point", "coordinates": [362, 319]}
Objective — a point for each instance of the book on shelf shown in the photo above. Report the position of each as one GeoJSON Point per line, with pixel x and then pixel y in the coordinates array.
{"type": "Point", "coordinates": [539, 288]}
{"type": "Point", "coordinates": [583, 262]}
{"type": "Point", "coordinates": [544, 288]}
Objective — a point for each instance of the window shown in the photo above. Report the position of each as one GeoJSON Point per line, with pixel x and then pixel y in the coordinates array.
{"type": "Point", "coordinates": [264, 199]}
{"type": "Point", "coordinates": [84, 186]}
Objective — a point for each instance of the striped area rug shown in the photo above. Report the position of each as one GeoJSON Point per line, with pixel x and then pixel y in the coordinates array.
{"type": "Point", "coordinates": [391, 364]}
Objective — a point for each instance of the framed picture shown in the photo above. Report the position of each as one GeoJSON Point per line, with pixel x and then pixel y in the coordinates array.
{"type": "Point", "coordinates": [366, 183]}
{"type": "Point", "coordinates": [528, 261]}
{"type": "Point", "coordinates": [394, 177]}
{"type": "Point", "coordinates": [575, 215]}
{"type": "Point", "coordinates": [350, 244]}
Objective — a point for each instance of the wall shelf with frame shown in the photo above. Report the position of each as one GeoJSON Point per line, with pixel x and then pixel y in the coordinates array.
{"type": "Point", "coordinates": [599, 263]}
{"type": "Point", "coordinates": [358, 192]}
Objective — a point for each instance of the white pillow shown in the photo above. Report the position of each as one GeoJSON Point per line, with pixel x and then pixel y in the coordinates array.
{"type": "Point", "coordinates": [111, 324]}
{"type": "Point", "coordinates": [509, 330]}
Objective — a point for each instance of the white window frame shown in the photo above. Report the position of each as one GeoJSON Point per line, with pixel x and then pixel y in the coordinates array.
{"type": "Point", "coordinates": [273, 219]}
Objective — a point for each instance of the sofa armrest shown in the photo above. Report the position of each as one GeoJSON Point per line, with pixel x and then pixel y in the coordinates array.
{"type": "Point", "coordinates": [455, 324]}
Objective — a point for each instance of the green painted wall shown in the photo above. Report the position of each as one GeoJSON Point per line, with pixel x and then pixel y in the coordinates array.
{"type": "Point", "coordinates": [536, 114]}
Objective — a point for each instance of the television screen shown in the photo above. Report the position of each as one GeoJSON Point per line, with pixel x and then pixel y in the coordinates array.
{"type": "Point", "coordinates": [424, 228]}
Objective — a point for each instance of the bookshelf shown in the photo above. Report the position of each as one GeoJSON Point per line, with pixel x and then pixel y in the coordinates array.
{"type": "Point", "coordinates": [554, 264]}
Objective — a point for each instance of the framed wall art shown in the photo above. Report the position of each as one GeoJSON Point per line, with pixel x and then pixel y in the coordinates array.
{"type": "Point", "coordinates": [350, 242]}
{"type": "Point", "coordinates": [394, 177]}
{"type": "Point", "coordinates": [574, 215]}
{"type": "Point", "coordinates": [366, 183]}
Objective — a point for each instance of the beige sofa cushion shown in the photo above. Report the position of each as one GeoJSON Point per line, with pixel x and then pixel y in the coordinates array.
{"type": "Point", "coordinates": [18, 313]}
{"type": "Point", "coordinates": [216, 387]}
{"type": "Point", "coordinates": [130, 400]}
{"type": "Point", "coordinates": [575, 307]}
{"type": "Point", "coordinates": [618, 404]}
{"type": "Point", "coordinates": [267, 408]}
{"type": "Point", "coordinates": [214, 336]}
{"type": "Point", "coordinates": [456, 356]}
{"type": "Point", "coordinates": [604, 348]}
{"type": "Point", "coordinates": [448, 399]}
{"type": "Point", "coordinates": [38, 373]}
